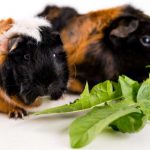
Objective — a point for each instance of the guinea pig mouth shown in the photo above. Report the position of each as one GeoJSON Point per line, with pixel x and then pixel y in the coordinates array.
{"type": "Point", "coordinates": [32, 95]}
{"type": "Point", "coordinates": [29, 95]}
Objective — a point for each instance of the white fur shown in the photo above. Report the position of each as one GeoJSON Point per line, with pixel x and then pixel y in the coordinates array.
{"type": "Point", "coordinates": [28, 27]}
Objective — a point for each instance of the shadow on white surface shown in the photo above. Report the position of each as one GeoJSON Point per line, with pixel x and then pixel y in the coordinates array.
{"type": "Point", "coordinates": [52, 133]}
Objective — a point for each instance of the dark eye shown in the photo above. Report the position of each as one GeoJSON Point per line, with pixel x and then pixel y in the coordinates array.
{"type": "Point", "coordinates": [54, 55]}
{"type": "Point", "coordinates": [27, 56]}
{"type": "Point", "coordinates": [145, 40]}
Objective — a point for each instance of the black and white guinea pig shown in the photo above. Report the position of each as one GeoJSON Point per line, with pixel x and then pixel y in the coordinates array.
{"type": "Point", "coordinates": [34, 66]}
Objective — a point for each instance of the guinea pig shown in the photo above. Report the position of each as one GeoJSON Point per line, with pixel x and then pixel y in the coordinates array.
{"type": "Point", "coordinates": [103, 44]}
{"type": "Point", "coordinates": [33, 65]}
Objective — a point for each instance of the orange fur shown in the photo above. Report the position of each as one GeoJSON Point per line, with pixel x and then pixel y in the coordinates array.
{"type": "Point", "coordinates": [54, 13]}
{"type": "Point", "coordinates": [76, 36]}
{"type": "Point", "coordinates": [8, 104]}
{"type": "Point", "coordinates": [75, 86]}
{"type": "Point", "coordinates": [5, 25]}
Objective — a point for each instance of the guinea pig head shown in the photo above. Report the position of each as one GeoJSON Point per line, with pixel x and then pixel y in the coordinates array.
{"type": "Point", "coordinates": [128, 37]}
{"type": "Point", "coordinates": [36, 63]}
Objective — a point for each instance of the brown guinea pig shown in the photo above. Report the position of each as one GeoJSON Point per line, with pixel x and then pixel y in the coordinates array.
{"type": "Point", "coordinates": [103, 44]}
{"type": "Point", "coordinates": [32, 64]}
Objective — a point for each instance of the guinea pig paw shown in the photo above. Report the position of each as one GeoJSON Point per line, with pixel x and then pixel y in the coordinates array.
{"type": "Point", "coordinates": [29, 95]}
{"type": "Point", "coordinates": [55, 93]}
{"type": "Point", "coordinates": [55, 90]}
{"type": "Point", "coordinates": [17, 113]}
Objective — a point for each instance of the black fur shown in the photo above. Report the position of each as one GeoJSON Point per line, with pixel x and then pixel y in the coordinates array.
{"type": "Point", "coordinates": [129, 54]}
{"type": "Point", "coordinates": [35, 68]}
{"type": "Point", "coordinates": [119, 52]}
{"type": "Point", "coordinates": [60, 20]}
{"type": "Point", "coordinates": [114, 56]}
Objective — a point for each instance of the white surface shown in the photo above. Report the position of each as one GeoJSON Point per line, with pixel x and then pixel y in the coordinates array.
{"type": "Point", "coordinates": [51, 133]}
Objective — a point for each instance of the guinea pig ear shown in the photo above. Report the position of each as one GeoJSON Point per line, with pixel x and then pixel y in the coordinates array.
{"type": "Point", "coordinates": [13, 43]}
{"type": "Point", "coordinates": [125, 27]}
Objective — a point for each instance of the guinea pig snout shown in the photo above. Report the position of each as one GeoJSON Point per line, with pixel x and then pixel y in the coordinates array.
{"type": "Point", "coordinates": [53, 90]}
{"type": "Point", "coordinates": [29, 94]}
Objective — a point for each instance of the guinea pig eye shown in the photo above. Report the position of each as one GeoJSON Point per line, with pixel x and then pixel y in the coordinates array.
{"type": "Point", "coordinates": [54, 55]}
{"type": "Point", "coordinates": [145, 40]}
{"type": "Point", "coordinates": [27, 56]}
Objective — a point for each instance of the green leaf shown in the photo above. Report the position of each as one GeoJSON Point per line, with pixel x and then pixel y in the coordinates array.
{"type": "Point", "coordinates": [129, 87]}
{"type": "Point", "coordinates": [145, 107]}
{"type": "Point", "coordinates": [101, 93]}
{"type": "Point", "coordinates": [126, 108]}
{"type": "Point", "coordinates": [84, 129]}
{"type": "Point", "coordinates": [143, 97]}
{"type": "Point", "coordinates": [129, 123]}
{"type": "Point", "coordinates": [148, 66]}
{"type": "Point", "coordinates": [85, 101]}
{"type": "Point", "coordinates": [107, 90]}
{"type": "Point", "coordinates": [144, 91]}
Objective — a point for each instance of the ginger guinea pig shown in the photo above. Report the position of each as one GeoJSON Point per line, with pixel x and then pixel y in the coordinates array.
{"type": "Point", "coordinates": [34, 64]}
{"type": "Point", "coordinates": [103, 44]}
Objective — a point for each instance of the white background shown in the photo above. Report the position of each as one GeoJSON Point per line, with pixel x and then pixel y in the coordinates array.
{"type": "Point", "coordinates": [51, 133]}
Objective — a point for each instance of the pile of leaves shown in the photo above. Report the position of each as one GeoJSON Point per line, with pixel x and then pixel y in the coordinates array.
{"type": "Point", "coordinates": [124, 106]}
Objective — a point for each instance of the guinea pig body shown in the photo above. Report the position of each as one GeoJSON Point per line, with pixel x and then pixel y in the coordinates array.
{"type": "Point", "coordinates": [104, 44]}
{"type": "Point", "coordinates": [34, 66]}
